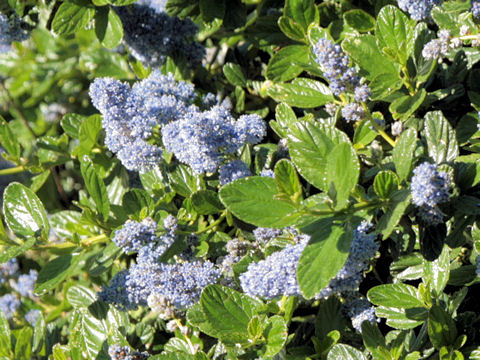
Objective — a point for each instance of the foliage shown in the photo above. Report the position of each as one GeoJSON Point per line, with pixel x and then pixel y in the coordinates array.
{"type": "Point", "coordinates": [242, 179]}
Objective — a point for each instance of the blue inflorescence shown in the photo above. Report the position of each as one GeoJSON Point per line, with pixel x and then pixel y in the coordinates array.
{"type": "Point", "coordinates": [133, 235]}
{"type": "Point", "coordinates": [475, 8]}
{"type": "Point", "coordinates": [233, 170]}
{"type": "Point", "coordinates": [32, 316]}
{"type": "Point", "coordinates": [157, 5]}
{"type": "Point", "coordinates": [129, 114]}
{"type": "Point", "coordinates": [418, 9]}
{"type": "Point", "coordinates": [10, 30]}
{"type": "Point", "coordinates": [152, 35]}
{"type": "Point", "coordinates": [201, 139]}
{"type": "Point", "coordinates": [359, 310]}
{"type": "Point", "coordinates": [349, 277]}
{"type": "Point", "coordinates": [276, 275]}
{"type": "Point", "coordinates": [263, 235]}
{"type": "Point", "coordinates": [117, 352]}
{"type": "Point", "coordinates": [25, 283]}
{"type": "Point", "coordinates": [353, 112]}
{"type": "Point", "coordinates": [9, 304]}
{"type": "Point", "coordinates": [429, 188]}
{"type": "Point", "coordinates": [8, 270]}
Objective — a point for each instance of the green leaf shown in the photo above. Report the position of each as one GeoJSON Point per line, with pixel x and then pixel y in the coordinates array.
{"type": "Point", "coordinates": [324, 255]}
{"type": "Point", "coordinates": [301, 92]}
{"type": "Point", "coordinates": [80, 296]}
{"type": "Point", "coordinates": [395, 33]}
{"type": "Point", "coordinates": [72, 16]}
{"type": "Point", "coordinates": [225, 313]}
{"type": "Point", "coordinates": [14, 251]}
{"type": "Point", "coordinates": [437, 273]}
{"type": "Point", "coordinates": [441, 327]}
{"type": "Point", "coordinates": [396, 207]}
{"type": "Point", "coordinates": [183, 180]}
{"type": "Point", "coordinates": [276, 332]}
{"type": "Point", "coordinates": [303, 12]}
{"type": "Point", "coordinates": [432, 239]}
{"type": "Point", "coordinates": [364, 134]}
{"type": "Point", "coordinates": [329, 317]}
{"type": "Point", "coordinates": [38, 334]}
{"type": "Point", "coordinates": [288, 184]}
{"type": "Point", "coordinates": [291, 29]}
{"type": "Point", "coordinates": [385, 184]}
{"type": "Point", "coordinates": [360, 20]}
{"type": "Point", "coordinates": [54, 272]}
{"type": "Point", "coordinates": [95, 187]}
{"type": "Point", "coordinates": [8, 140]}
{"type": "Point", "coordinates": [403, 153]}
{"type": "Point", "coordinates": [285, 117]}
{"type": "Point", "coordinates": [343, 170]}
{"type": "Point", "coordinates": [405, 106]}
{"type": "Point", "coordinates": [310, 145]}
{"type": "Point", "coordinates": [121, 2]}
{"type": "Point", "coordinates": [212, 9]}
{"type": "Point", "coordinates": [88, 135]}
{"type": "Point", "coordinates": [286, 64]}
{"type": "Point", "coordinates": [108, 27]}
{"type": "Point", "coordinates": [364, 51]}
{"type": "Point", "coordinates": [374, 341]}
{"type": "Point", "coordinates": [345, 352]}
{"type": "Point", "coordinates": [24, 212]}
{"type": "Point", "coordinates": [441, 139]}
{"type": "Point", "coordinates": [103, 261]}
{"type": "Point", "coordinates": [395, 295]}
{"type": "Point", "coordinates": [87, 333]}
{"type": "Point", "coordinates": [206, 202]}
{"type": "Point", "coordinates": [234, 74]}
{"type": "Point", "coordinates": [252, 200]}
{"type": "Point", "coordinates": [23, 347]}
{"type": "Point", "coordinates": [5, 342]}
{"type": "Point", "coordinates": [402, 318]}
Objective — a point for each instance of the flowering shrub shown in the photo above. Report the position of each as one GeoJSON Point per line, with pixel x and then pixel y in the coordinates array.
{"type": "Point", "coordinates": [239, 179]}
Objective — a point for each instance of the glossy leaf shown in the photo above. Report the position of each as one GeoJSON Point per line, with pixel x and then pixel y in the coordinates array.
{"type": "Point", "coordinates": [441, 139]}
{"type": "Point", "coordinates": [301, 92]}
{"type": "Point", "coordinates": [403, 153]}
{"type": "Point", "coordinates": [72, 16]}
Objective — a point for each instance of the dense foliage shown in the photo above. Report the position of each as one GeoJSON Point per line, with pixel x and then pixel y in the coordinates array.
{"type": "Point", "coordinates": [240, 179]}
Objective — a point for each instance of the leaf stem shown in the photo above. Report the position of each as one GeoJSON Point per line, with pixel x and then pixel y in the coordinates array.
{"type": "Point", "coordinates": [380, 131]}
{"type": "Point", "coordinates": [23, 118]}
{"type": "Point", "coordinates": [12, 170]}
{"type": "Point", "coordinates": [212, 225]}
{"type": "Point", "coordinates": [94, 240]}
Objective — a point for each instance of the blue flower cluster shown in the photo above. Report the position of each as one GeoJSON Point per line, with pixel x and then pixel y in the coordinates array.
{"type": "Point", "coordinates": [8, 270]}
{"type": "Point", "coordinates": [263, 235]}
{"type": "Point", "coordinates": [25, 283]}
{"type": "Point", "coordinates": [133, 235]}
{"type": "Point", "coordinates": [129, 114]}
{"type": "Point", "coordinates": [349, 277]}
{"type": "Point", "coordinates": [276, 275]}
{"type": "Point", "coordinates": [359, 310]}
{"type": "Point", "coordinates": [157, 5]}
{"type": "Point", "coordinates": [117, 352]}
{"type": "Point", "coordinates": [152, 35]}
{"type": "Point", "coordinates": [418, 9]}
{"type": "Point", "coordinates": [201, 139]}
{"type": "Point", "coordinates": [9, 304]}
{"type": "Point", "coordinates": [10, 30]}
{"type": "Point", "coordinates": [341, 76]}
{"type": "Point", "coordinates": [233, 170]}
{"type": "Point", "coordinates": [32, 316]}
{"type": "Point", "coordinates": [437, 48]}
{"type": "Point", "coordinates": [429, 188]}
{"type": "Point", "coordinates": [475, 8]}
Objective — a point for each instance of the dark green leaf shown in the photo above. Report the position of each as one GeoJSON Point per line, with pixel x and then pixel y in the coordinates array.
{"type": "Point", "coordinates": [88, 134]}
{"type": "Point", "coordinates": [276, 332]}
{"type": "Point", "coordinates": [286, 64]}
{"type": "Point", "coordinates": [252, 200]}
{"type": "Point", "coordinates": [310, 146]}
{"type": "Point", "coordinates": [8, 140]}
{"type": "Point", "coordinates": [301, 92]}
{"type": "Point", "coordinates": [121, 2]}
{"type": "Point", "coordinates": [212, 9]}
{"type": "Point", "coordinates": [72, 16]}
{"type": "Point", "coordinates": [437, 273]}
{"type": "Point", "coordinates": [24, 212]}
{"type": "Point", "coordinates": [364, 134]}
{"type": "Point", "coordinates": [234, 74]}
{"type": "Point", "coordinates": [432, 238]}
{"type": "Point", "coordinates": [374, 341]}
{"type": "Point", "coordinates": [303, 12]}
{"type": "Point", "coordinates": [225, 314]}
{"type": "Point", "coordinates": [395, 295]}
{"type": "Point", "coordinates": [95, 187]}
{"type": "Point", "coordinates": [329, 317]}
{"type": "Point", "coordinates": [206, 202]}
{"type": "Point", "coordinates": [345, 352]}
{"type": "Point", "coordinates": [55, 271]}
{"type": "Point", "coordinates": [441, 139]}
{"type": "Point", "coordinates": [291, 29]}
{"type": "Point", "coordinates": [343, 170]}
{"type": "Point", "coordinates": [324, 256]}
{"type": "Point", "coordinates": [395, 209]}
{"type": "Point", "coordinates": [404, 106]}
{"type": "Point", "coordinates": [359, 20]}
{"type": "Point", "coordinates": [441, 327]}
{"type": "Point", "coordinates": [385, 184]}
{"type": "Point", "coordinates": [403, 153]}
{"type": "Point", "coordinates": [108, 27]}
{"type": "Point", "coordinates": [80, 296]}
{"type": "Point", "coordinates": [288, 184]}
